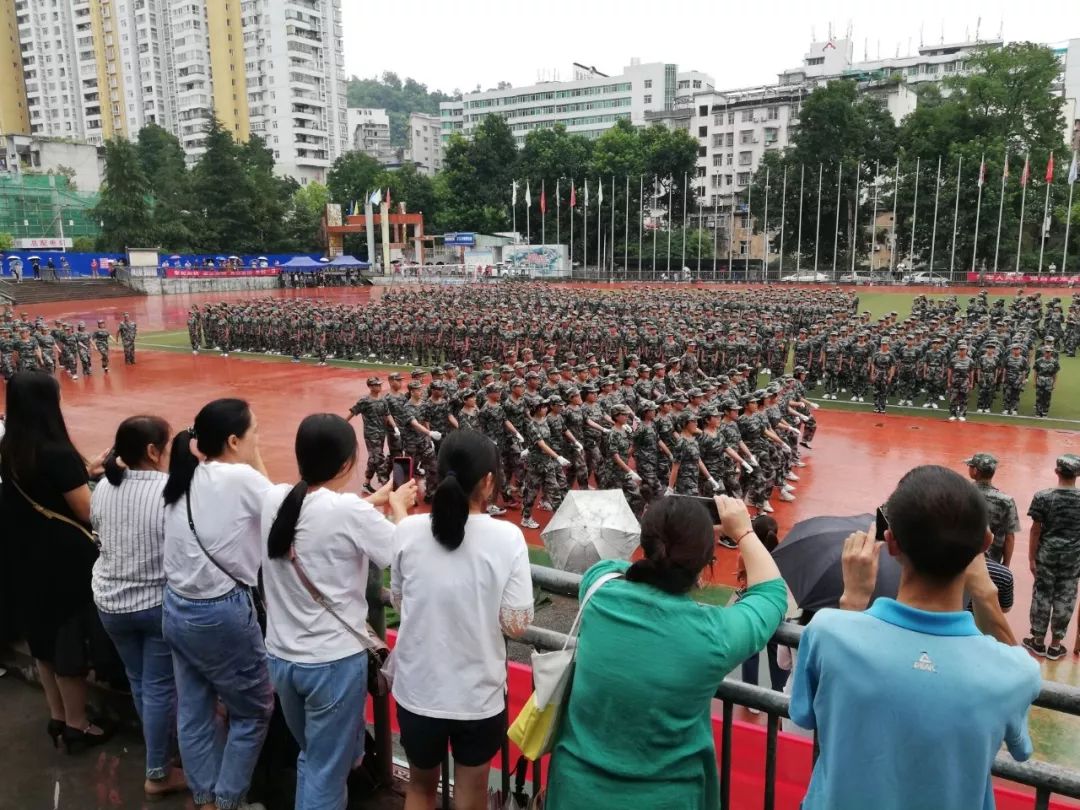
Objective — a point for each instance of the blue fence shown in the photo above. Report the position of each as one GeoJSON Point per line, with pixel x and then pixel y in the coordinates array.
{"type": "Point", "coordinates": [82, 264]}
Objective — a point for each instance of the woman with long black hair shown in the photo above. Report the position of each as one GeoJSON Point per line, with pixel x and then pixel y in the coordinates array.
{"type": "Point", "coordinates": [320, 541]}
{"type": "Point", "coordinates": [52, 552]}
{"type": "Point", "coordinates": [213, 548]}
{"type": "Point", "coordinates": [461, 581]}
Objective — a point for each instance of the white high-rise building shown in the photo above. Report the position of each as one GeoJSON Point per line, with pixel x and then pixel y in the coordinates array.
{"type": "Point", "coordinates": [425, 143]}
{"type": "Point", "coordinates": [369, 132]}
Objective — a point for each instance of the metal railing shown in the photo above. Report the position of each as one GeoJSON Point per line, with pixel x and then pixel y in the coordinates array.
{"type": "Point", "coordinates": [1047, 780]}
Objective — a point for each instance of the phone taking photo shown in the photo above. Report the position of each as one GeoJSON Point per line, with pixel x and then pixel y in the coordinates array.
{"type": "Point", "coordinates": [882, 523]}
{"type": "Point", "coordinates": [708, 503]}
{"type": "Point", "coordinates": [402, 471]}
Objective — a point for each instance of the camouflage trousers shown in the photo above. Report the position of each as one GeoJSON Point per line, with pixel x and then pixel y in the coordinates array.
{"type": "Point", "coordinates": [540, 475]}
{"type": "Point", "coordinates": [594, 461]}
{"type": "Point", "coordinates": [620, 479]}
{"type": "Point", "coordinates": [860, 380]}
{"type": "Point", "coordinates": [881, 391]}
{"type": "Point", "coordinates": [84, 361]}
{"type": "Point", "coordinates": [1011, 397]}
{"type": "Point", "coordinates": [906, 385]}
{"type": "Point", "coordinates": [377, 463]}
{"type": "Point", "coordinates": [1042, 398]}
{"type": "Point", "coordinates": [579, 468]}
{"type": "Point", "coordinates": [986, 397]}
{"type": "Point", "coordinates": [809, 428]}
{"type": "Point", "coordinates": [935, 386]}
{"type": "Point", "coordinates": [832, 381]}
{"type": "Point", "coordinates": [958, 399]}
{"type": "Point", "coordinates": [1072, 339]}
{"type": "Point", "coordinates": [650, 479]}
{"type": "Point", "coordinates": [129, 352]}
{"type": "Point", "coordinates": [48, 361]}
{"type": "Point", "coordinates": [513, 469]}
{"type": "Point", "coordinates": [193, 336]}
{"type": "Point", "coordinates": [759, 483]}
{"type": "Point", "coordinates": [67, 360]}
{"type": "Point", "coordinates": [423, 455]}
{"type": "Point", "coordinates": [1053, 598]}
{"type": "Point", "coordinates": [103, 352]}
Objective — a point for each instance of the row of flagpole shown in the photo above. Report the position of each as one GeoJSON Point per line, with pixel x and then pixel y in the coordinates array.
{"type": "Point", "coordinates": [606, 250]}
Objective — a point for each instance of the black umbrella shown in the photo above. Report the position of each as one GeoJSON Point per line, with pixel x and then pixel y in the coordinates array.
{"type": "Point", "coordinates": [809, 561]}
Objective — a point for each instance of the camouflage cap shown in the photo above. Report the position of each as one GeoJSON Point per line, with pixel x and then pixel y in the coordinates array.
{"type": "Point", "coordinates": [646, 405]}
{"type": "Point", "coordinates": [730, 404]}
{"type": "Point", "coordinates": [680, 397]}
{"type": "Point", "coordinates": [759, 394]}
{"type": "Point", "coordinates": [708, 411]}
{"type": "Point", "coordinates": [532, 375]}
{"type": "Point", "coordinates": [417, 373]}
{"type": "Point", "coordinates": [621, 410]}
{"type": "Point", "coordinates": [466, 393]}
{"type": "Point", "coordinates": [983, 462]}
{"type": "Point", "coordinates": [695, 392]}
{"type": "Point", "coordinates": [415, 385]}
{"type": "Point", "coordinates": [554, 400]}
{"type": "Point", "coordinates": [438, 385]}
{"type": "Point", "coordinates": [588, 389]}
{"type": "Point", "coordinates": [396, 375]}
{"type": "Point", "coordinates": [373, 381]}
{"type": "Point", "coordinates": [663, 399]}
{"type": "Point", "coordinates": [572, 392]}
{"type": "Point", "coordinates": [1068, 465]}
{"type": "Point", "coordinates": [1048, 348]}
{"type": "Point", "coordinates": [492, 388]}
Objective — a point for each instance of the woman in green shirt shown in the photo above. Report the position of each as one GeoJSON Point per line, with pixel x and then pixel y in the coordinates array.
{"type": "Point", "coordinates": [637, 730]}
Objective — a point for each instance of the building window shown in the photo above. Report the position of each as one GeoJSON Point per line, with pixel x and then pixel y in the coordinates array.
{"type": "Point", "coordinates": [913, 70]}
{"type": "Point", "coordinates": [771, 135]}
{"type": "Point", "coordinates": [730, 158]}
{"type": "Point", "coordinates": [746, 158]}
{"type": "Point", "coordinates": [717, 159]}
{"type": "Point", "coordinates": [702, 151]}
{"type": "Point", "coordinates": [703, 132]}
{"type": "Point", "coordinates": [648, 84]}
{"type": "Point", "coordinates": [772, 112]}
{"type": "Point", "coordinates": [731, 118]}
{"type": "Point", "coordinates": [727, 179]}
{"type": "Point", "coordinates": [648, 99]}
{"type": "Point", "coordinates": [930, 69]}
{"type": "Point", "coordinates": [747, 115]}
{"type": "Point", "coordinates": [697, 84]}
{"type": "Point", "coordinates": [718, 139]}
{"type": "Point", "coordinates": [703, 110]}
{"type": "Point", "coordinates": [700, 171]}
{"type": "Point", "coordinates": [744, 178]}
{"type": "Point", "coordinates": [816, 60]}
{"type": "Point", "coordinates": [729, 139]}
{"type": "Point", "coordinates": [746, 136]}
{"type": "Point", "coordinates": [718, 119]}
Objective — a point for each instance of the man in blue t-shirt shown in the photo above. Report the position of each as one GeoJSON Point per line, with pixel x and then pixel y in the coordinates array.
{"type": "Point", "coordinates": [910, 700]}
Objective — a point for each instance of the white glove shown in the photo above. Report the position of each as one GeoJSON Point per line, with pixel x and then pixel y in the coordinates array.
{"type": "Point", "coordinates": [524, 453]}
{"type": "Point", "coordinates": [715, 485]}
{"type": "Point", "coordinates": [668, 492]}
{"type": "Point", "coordinates": [754, 461]}
{"type": "Point", "coordinates": [786, 448]}
{"type": "Point", "coordinates": [747, 467]}
{"type": "Point", "coordinates": [606, 430]}
{"type": "Point", "coordinates": [520, 438]}
{"type": "Point", "coordinates": [435, 435]}
{"type": "Point", "coordinates": [579, 446]}
{"type": "Point", "coordinates": [563, 462]}
{"type": "Point", "coordinates": [814, 405]}
{"type": "Point", "coordinates": [627, 429]}
{"type": "Point", "coordinates": [635, 477]}
{"type": "Point", "coordinates": [397, 433]}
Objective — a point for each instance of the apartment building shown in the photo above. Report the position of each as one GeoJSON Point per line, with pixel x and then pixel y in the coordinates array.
{"type": "Point", "coordinates": [369, 132]}
{"type": "Point", "coordinates": [14, 116]}
{"type": "Point", "coordinates": [588, 104]}
{"type": "Point", "coordinates": [425, 143]}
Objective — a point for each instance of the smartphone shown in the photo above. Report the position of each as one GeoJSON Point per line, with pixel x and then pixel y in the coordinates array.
{"type": "Point", "coordinates": [403, 470]}
{"type": "Point", "coordinates": [708, 503]}
{"type": "Point", "coordinates": [882, 523]}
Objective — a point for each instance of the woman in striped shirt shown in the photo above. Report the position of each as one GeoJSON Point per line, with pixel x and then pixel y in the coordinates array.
{"type": "Point", "coordinates": [128, 514]}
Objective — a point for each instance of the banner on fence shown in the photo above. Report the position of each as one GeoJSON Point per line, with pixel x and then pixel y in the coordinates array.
{"type": "Point", "coordinates": [1056, 279]}
{"type": "Point", "coordinates": [266, 271]}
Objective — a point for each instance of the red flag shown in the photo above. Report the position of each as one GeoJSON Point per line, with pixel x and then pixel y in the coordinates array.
{"type": "Point", "coordinates": [1026, 173]}
{"type": "Point", "coordinates": [1050, 169]}
{"type": "Point", "coordinates": [543, 201]}
{"type": "Point", "coordinates": [573, 195]}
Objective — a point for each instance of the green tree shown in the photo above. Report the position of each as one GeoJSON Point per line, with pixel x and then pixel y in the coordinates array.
{"type": "Point", "coordinates": [409, 186]}
{"type": "Point", "coordinates": [670, 156]}
{"type": "Point", "coordinates": [122, 206]}
{"type": "Point", "coordinates": [305, 219]}
{"type": "Point", "coordinates": [476, 191]}
{"type": "Point", "coordinates": [224, 191]}
{"type": "Point", "coordinates": [549, 160]}
{"type": "Point", "coordinates": [162, 161]}
{"type": "Point", "coordinates": [352, 178]}
{"type": "Point", "coordinates": [269, 201]}
{"type": "Point", "coordinates": [399, 99]}
{"type": "Point", "coordinates": [7, 241]}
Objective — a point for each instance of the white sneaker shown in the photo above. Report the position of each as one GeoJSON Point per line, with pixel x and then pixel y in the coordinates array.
{"type": "Point", "coordinates": [963, 418]}
{"type": "Point", "coordinates": [952, 418]}
{"type": "Point", "coordinates": [786, 496]}
{"type": "Point", "coordinates": [934, 406]}
{"type": "Point", "coordinates": [767, 508]}
{"type": "Point", "coordinates": [854, 399]}
{"type": "Point", "coordinates": [791, 477]}
{"type": "Point", "coordinates": [787, 488]}
{"type": "Point", "coordinates": [529, 523]}
{"type": "Point", "coordinates": [843, 390]}
{"type": "Point", "coordinates": [941, 398]}
{"type": "Point", "coordinates": [495, 511]}
{"type": "Point", "coordinates": [861, 399]}
{"type": "Point", "coordinates": [800, 463]}
{"type": "Point", "coordinates": [926, 405]}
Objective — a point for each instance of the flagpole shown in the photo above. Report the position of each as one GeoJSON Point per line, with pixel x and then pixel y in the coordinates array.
{"type": "Point", "coordinates": [585, 230]}
{"type": "Point", "coordinates": [933, 233]}
{"type": "Point", "coordinates": [701, 227]}
{"type": "Point", "coordinates": [731, 235]}
{"type": "Point", "coordinates": [513, 207]}
{"type": "Point", "coordinates": [599, 226]}
{"type": "Point", "coordinates": [765, 228]}
{"type": "Point", "coordinates": [641, 221]}
{"type": "Point", "coordinates": [978, 213]}
{"type": "Point", "coordinates": [914, 215]}
{"type": "Point", "coordinates": [817, 226]}
{"type": "Point", "coordinates": [543, 214]}
{"type": "Point", "coordinates": [558, 213]}
{"type": "Point", "coordinates": [750, 225]}
{"type": "Point", "coordinates": [626, 231]}
{"type": "Point", "coordinates": [528, 214]}
{"type": "Point", "coordinates": [1068, 213]}
{"type": "Point", "coordinates": [783, 219]}
{"type": "Point", "coordinates": [1046, 210]}
{"type": "Point", "coordinates": [873, 219]}
{"type": "Point", "coordinates": [895, 198]}
{"type": "Point", "coordinates": [955, 218]}
{"type": "Point", "coordinates": [1023, 200]}
{"type": "Point", "coordinates": [572, 229]}
{"type": "Point", "coordinates": [612, 273]}
{"type": "Point", "coordinates": [855, 217]}
{"type": "Point", "coordinates": [798, 242]}
{"type": "Point", "coordinates": [655, 186]}
{"type": "Point", "coordinates": [715, 233]}
{"type": "Point", "coordinates": [684, 196]}
{"type": "Point", "coordinates": [670, 206]}
{"type": "Point", "coordinates": [836, 233]}
{"type": "Point", "coordinates": [1001, 210]}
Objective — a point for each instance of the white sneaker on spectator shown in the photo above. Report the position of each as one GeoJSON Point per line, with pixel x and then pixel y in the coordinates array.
{"type": "Point", "coordinates": [495, 511]}
{"type": "Point", "coordinates": [529, 523]}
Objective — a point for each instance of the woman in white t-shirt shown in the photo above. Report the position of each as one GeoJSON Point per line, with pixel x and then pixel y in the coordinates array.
{"type": "Point", "coordinates": [318, 541]}
{"type": "Point", "coordinates": [461, 581]}
{"type": "Point", "coordinates": [213, 543]}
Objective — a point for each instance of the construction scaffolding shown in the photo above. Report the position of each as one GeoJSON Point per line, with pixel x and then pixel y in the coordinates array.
{"type": "Point", "coordinates": [42, 206]}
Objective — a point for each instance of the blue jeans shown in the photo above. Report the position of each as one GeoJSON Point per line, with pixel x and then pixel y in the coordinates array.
{"type": "Point", "coordinates": [218, 652]}
{"type": "Point", "coordinates": [778, 677]}
{"type": "Point", "coordinates": [323, 706]}
{"type": "Point", "coordinates": [149, 666]}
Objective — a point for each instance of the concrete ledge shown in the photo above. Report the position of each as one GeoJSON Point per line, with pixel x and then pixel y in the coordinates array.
{"type": "Point", "coordinates": [184, 286]}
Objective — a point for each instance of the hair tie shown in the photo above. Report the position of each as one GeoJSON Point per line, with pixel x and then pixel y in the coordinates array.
{"type": "Point", "coordinates": [191, 432]}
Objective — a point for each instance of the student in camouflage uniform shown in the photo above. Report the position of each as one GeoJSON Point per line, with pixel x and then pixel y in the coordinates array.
{"type": "Point", "coordinates": [1004, 523]}
{"type": "Point", "coordinates": [882, 372]}
{"type": "Point", "coordinates": [1046, 371]}
{"type": "Point", "coordinates": [711, 444]}
{"type": "Point", "coordinates": [419, 439]}
{"type": "Point", "coordinates": [1054, 554]}
{"type": "Point", "coordinates": [562, 442]}
{"type": "Point", "coordinates": [987, 369]}
{"type": "Point", "coordinates": [646, 446]}
{"type": "Point", "coordinates": [26, 347]}
{"type": "Point", "coordinates": [908, 360]}
{"type": "Point", "coordinates": [125, 335]}
{"type": "Point", "coordinates": [396, 398]}
{"type": "Point", "coordinates": [7, 353]}
{"type": "Point", "coordinates": [101, 339]}
{"type": "Point", "coordinates": [83, 348]}
{"type": "Point", "coordinates": [497, 428]}
{"type": "Point", "coordinates": [759, 484]}
{"type": "Point", "coordinates": [193, 328]}
{"type": "Point", "coordinates": [687, 468]}
{"type": "Point", "coordinates": [70, 352]}
{"type": "Point", "coordinates": [436, 412]}
{"type": "Point", "coordinates": [375, 412]}
{"type": "Point", "coordinates": [468, 415]}
{"type": "Point", "coordinates": [935, 373]}
{"type": "Point", "coordinates": [541, 460]}
{"type": "Point", "coordinates": [616, 472]}
{"type": "Point", "coordinates": [961, 371]}
{"type": "Point", "coordinates": [859, 366]}
{"type": "Point", "coordinates": [574, 417]}
{"type": "Point", "coordinates": [594, 430]}
{"type": "Point", "coordinates": [736, 452]}
{"type": "Point", "coordinates": [1015, 372]}
{"type": "Point", "coordinates": [832, 362]}
{"type": "Point", "coordinates": [47, 345]}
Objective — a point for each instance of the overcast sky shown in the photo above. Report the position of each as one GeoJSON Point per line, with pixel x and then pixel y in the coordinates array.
{"type": "Point", "coordinates": [457, 44]}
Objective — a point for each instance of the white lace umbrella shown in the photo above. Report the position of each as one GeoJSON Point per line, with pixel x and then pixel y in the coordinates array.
{"type": "Point", "coordinates": [591, 525]}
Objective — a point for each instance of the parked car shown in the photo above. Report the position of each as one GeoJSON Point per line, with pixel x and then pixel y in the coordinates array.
{"type": "Point", "coordinates": [856, 278]}
{"type": "Point", "coordinates": [925, 277]}
{"type": "Point", "coordinates": [804, 277]}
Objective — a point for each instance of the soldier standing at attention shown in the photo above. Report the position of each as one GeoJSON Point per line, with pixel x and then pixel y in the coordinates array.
{"type": "Point", "coordinates": [908, 366]}
{"type": "Point", "coordinates": [1054, 555]}
{"type": "Point", "coordinates": [125, 335]}
{"type": "Point", "coordinates": [1004, 522]}
{"type": "Point", "coordinates": [1015, 372]}
{"type": "Point", "coordinates": [617, 473]}
{"type": "Point", "coordinates": [83, 348]}
{"type": "Point", "coordinates": [986, 374]}
{"type": "Point", "coordinates": [1046, 371]}
{"type": "Point", "coordinates": [375, 412]}
{"type": "Point", "coordinates": [574, 417]}
{"type": "Point", "coordinates": [101, 338]}
{"type": "Point", "coordinates": [961, 372]}
{"type": "Point", "coordinates": [193, 328]}
{"type": "Point", "coordinates": [882, 371]}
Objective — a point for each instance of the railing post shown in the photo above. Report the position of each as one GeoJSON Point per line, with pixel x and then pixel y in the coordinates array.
{"type": "Point", "coordinates": [770, 760]}
{"type": "Point", "coordinates": [725, 756]}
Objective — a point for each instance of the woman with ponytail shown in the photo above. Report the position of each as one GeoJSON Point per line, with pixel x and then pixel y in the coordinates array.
{"type": "Point", "coordinates": [461, 581]}
{"type": "Point", "coordinates": [318, 537]}
{"type": "Point", "coordinates": [128, 514]}
{"type": "Point", "coordinates": [649, 659]}
{"type": "Point", "coordinates": [213, 509]}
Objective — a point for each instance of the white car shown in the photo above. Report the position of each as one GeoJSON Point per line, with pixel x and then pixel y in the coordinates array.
{"type": "Point", "coordinates": [856, 278]}
{"type": "Point", "coordinates": [924, 277]}
{"type": "Point", "coordinates": [804, 277]}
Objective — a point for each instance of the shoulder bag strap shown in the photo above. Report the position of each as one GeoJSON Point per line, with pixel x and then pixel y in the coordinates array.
{"type": "Point", "coordinates": [49, 514]}
{"type": "Point", "coordinates": [600, 581]}
{"type": "Point", "coordinates": [365, 640]}
{"type": "Point", "coordinates": [209, 556]}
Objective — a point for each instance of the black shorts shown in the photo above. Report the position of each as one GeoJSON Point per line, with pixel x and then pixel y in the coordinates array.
{"type": "Point", "coordinates": [472, 742]}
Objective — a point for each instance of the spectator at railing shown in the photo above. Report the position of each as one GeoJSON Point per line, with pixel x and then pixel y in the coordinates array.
{"type": "Point", "coordinates": [51, 552]}
{"type": "Point", "coordinates": [212, 554]}
{"type": "Point", "coordinates": [319, 541]}
{"type": "Point", "coordinates": [766, 529]}
{"type": "Point", "coordinates": [128, 514]}
{"type": "Point", "coordinates": [637, 730]}
{"type": "Point", "coordinates": [461, 580]}
{"type": "Point", "coordinates": [910, 700]}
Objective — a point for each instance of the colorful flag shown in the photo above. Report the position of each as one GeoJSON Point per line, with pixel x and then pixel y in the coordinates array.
{"type": "Point", "coordinates": [528, 196]}
{"type": "Point", "coordinates": [376, 198]}
{"type": "Point", "coordinates": [1050, 169]}
{"type": "Point", "coordinates": [982, 173]}
{"type": "Point", "coordinates": [600, 192]}
{"type": "Point", "coordinates": [543, 199]}
{"type": "Point", "coordinates": [1024, 175]}
{"type": "Point", "coordinates": [1005, 173]}
{"type": "Point", "coordinates": [558, 183]}
{"type": "Point", "coordinates": [513, 193]}
{"type": "Point", "coordinates": [573, 194]}
{"type": "Point", "coordinates": [585, 202]}
{"type": "Point", "coordinates": [1073, 170]}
